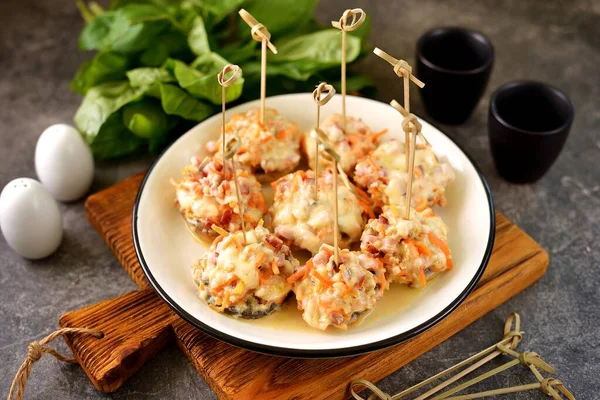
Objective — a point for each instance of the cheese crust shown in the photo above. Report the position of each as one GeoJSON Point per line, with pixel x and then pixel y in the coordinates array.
{"type": "Point", "coordinates": [245, 280]}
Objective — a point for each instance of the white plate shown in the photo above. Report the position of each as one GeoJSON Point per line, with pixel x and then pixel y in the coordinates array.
{"type": "Point", "coordinates": [166, 249]}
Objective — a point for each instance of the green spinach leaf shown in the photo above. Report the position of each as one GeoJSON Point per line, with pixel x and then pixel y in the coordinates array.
{"type": "Point", "coordinates": [278, 16]}
{"type": "Point", "coordinates": [145, 119]}
{"type": "Point", "coordinates": [317, 50]}
{"type": "Point", "coordinates": [105, 66]}
{"type": "Point", "coordinates": [100, 103]}
{"type": "Point", "coordinates": [176, 101]}
{"type": "Point", "coordinates": [197, 38]}
{"type": "Point", "coordinates": [149, 76]}
{"type": "Point", "coordinates": [114, 140]}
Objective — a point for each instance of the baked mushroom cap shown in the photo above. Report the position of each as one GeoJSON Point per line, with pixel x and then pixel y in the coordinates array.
{"type": "Point", "coordinates": [270, 150]}
{"type": "Point", "coordinates": [384, 176]}
{"type": "Point", "coordinates": [245, 280]}
{"type": "Point", "coordinates": [413, 250]}
{"type": "Point", "coordinates": [206, 196]}
{"type": "Point", "coordinates": [351, 144]}
{"type": "Point", "coordinates": [331, 294]}
{"type": "Point", "coordinates": [301, 219]}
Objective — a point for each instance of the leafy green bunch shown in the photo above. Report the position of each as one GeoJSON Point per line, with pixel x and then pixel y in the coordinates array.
{"type": "Point", "coordinates": [154, 73]}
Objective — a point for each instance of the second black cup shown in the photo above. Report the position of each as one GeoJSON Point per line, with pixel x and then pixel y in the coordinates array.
{"type": "Point", "coordinates": [528, 125]}
{"type": "Point", "coordinates": [455, 64]}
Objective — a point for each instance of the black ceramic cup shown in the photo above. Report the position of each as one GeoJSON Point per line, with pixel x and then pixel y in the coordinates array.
{"type": "Point", "coordinates": [455, 64]}
{"type": "Point", "coordinates": [528, 125]}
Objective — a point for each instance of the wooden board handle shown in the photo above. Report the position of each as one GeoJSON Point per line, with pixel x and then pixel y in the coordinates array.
{"type": "Point", "coordinates": [136, 326]}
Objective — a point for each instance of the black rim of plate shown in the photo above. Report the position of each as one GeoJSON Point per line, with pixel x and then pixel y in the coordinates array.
{"type": "Point", "coordinates": [323, 353]}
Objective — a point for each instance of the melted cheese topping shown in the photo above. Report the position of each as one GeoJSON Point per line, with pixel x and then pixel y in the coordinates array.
{"type": "Point", "coordinates": [331, 295]}
{"type": "Point", "coordinates": [274, 147]}
{"type": "Point", "coordinates": [206, 196]}
{"type": "Point", "coordinates": [245, 280]}
{"type": "Point", "coordinates": [306, 222]}
{"type": "Point", "coordinates": [353, 144]}
{"type": "Point", "coordinates": [383, 174]}
{"type": "Point", "coordinates": [414, 251]}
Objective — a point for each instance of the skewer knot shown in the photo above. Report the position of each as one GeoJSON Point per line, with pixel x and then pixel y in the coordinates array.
{"type": "Point", "coordinates": [527, 358]}
{"type": "Point", "coordinates": [358, 17]}
{"type": "Point", "coordinates": [232, 147]}
{"type": "Point", "coordinates": [411, 124]}
{"type": "Point", "coordinates": [258, 31]}
{"type": "Point", "coordinates": [326, 88]}
{"type": "Point", "coordinates": [401, 67]}
{"type": "Point", "coordinates": [229, 69]}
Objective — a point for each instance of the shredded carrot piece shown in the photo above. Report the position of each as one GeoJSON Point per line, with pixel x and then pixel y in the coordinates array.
{"type": "Point", "coordinates": [436, 241]}
{"type": "Point", "coordinates": [219, 230]}
{"type": "Point", "coordinates": [368, 210]}
{"type": "Point", "coordinates": [261, 259]}
{"type": "Point", "coordinates": [421, 247]}
{"type": "Point", "coordinates": [275, 267]}
{"type": "Point", "coordinates": [411, 247]}
{"type": "Point", "coordinates": [223, 285]}
{"type": "Point", "coordinates": [299, 274]}
{"type": "Point", "coordinates": [421, 205]}
{"type": "Point", "coordinates": [374, 137]}
{"type": "Point", "coordinates": [325, 281]}
{"type": "Point", "coordinates": [422, 279]}
{"type": "Point", "coordinates": [282, 134]}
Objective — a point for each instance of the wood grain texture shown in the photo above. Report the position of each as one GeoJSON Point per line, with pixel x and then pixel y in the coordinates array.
{"type": "Point", "coordinates": [138, 324]}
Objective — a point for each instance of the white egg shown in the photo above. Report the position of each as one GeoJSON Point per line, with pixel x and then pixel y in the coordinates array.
{"type": "Point", "coordinates": [30, 219]}
{"type": "Point", "coordinates": [64, 162]}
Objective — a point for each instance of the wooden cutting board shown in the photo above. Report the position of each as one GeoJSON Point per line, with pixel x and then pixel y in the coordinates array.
{"type": "Point", "coordinates": [137, 325]}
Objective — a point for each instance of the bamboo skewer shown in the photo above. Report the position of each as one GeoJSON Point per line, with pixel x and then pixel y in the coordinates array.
{"type": "Point", "coordinates": [330, 154]}
{"type": "Point", "coordinates": [260, 33]}
{"type": "Point", "coordinates": [512, 336]}
{"type": "Point", "coordinates": [410, 125]}
{"type": "Point", "coordinates": [329, 91]}
{"type": "Point", "coordinates": [358, 17]}
{"type": "Point", "coordinates": [231, 147]}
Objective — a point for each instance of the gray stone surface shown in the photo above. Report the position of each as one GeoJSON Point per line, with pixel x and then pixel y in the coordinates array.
{"type": "Point", "coordinates": [553, 41]}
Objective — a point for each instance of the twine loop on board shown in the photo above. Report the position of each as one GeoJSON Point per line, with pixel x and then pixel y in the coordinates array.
{"type": "Point", "coordinates": [35, 351]}
{"type": "Point", "coordinates": [258, 31]}
{"type": "Point", "coordinates": [326, 89]}
{"type": "Point", "coordinates": [358, 17]}
{"type": "Point", "coordinates": [232, 69]}
{"type": "Point", "coordinates": [401, 67]}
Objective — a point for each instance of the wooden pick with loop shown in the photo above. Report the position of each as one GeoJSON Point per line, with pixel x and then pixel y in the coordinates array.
{"type": "Point", "coordinates": [225, 81]}
{"type": "Point", "coordinates": [329, 154]}
{"type": "Point", "coordinates": [511, 338]}
{"type": "Point", "coordinates": [260, 33]}
{"type": "Point", "coordinates": [231, 149]}
{"type": "Point", "coordinates": [350, 21]}
{"type": "Point", "coordinates": [412, 129]}
{"type": "Point", "coordinates": [403, 70]}
{"type": "Point", "coordinates": [328, 91]}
